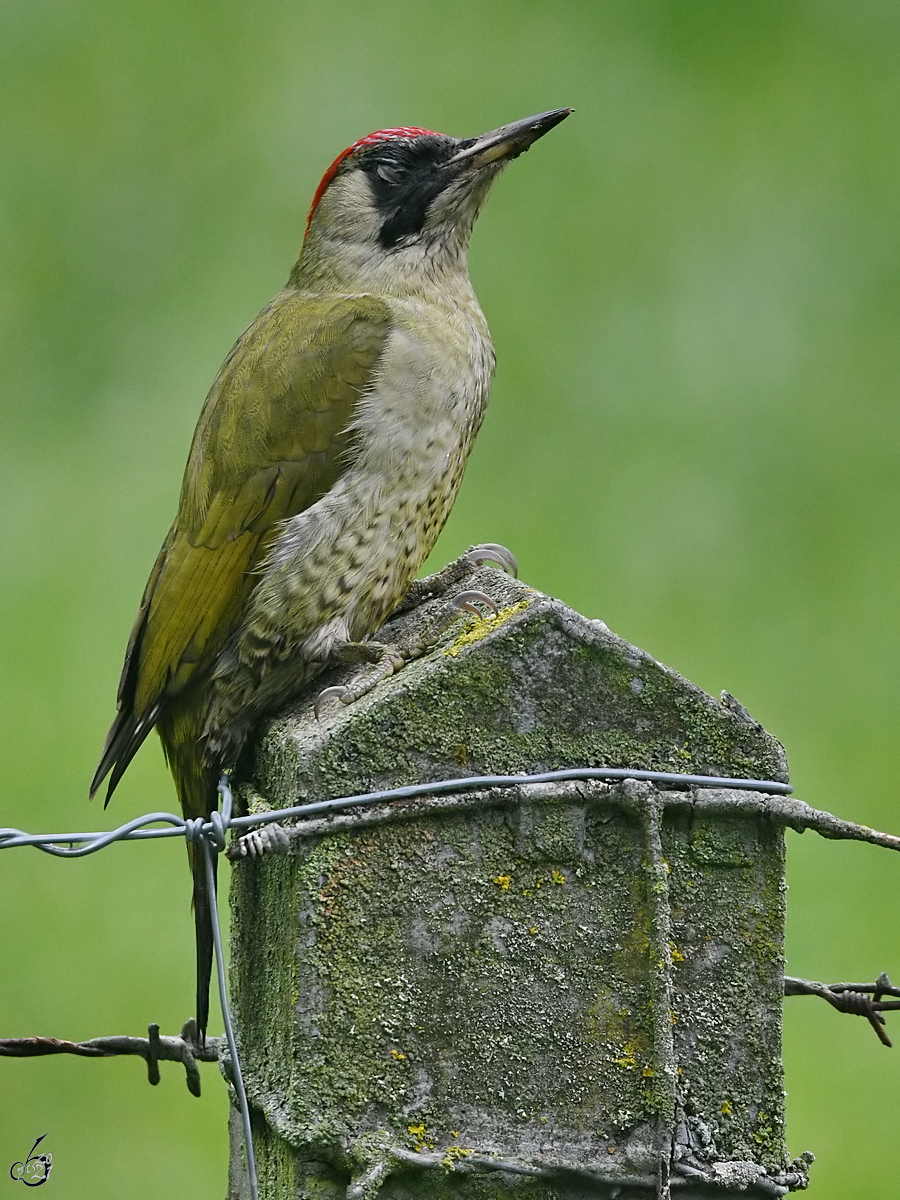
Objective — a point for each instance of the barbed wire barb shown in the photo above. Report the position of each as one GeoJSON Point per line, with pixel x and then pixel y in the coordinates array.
{"type": "Point", "coordinates": [858, 999]}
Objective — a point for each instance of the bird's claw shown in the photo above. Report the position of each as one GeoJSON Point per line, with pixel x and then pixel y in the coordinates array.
{"type": "Point", "coordinates": [338, 692]}
{"type": "Point", "coordinates": [495, 553]}
{"type": "Point", "coordinates": [466, 601]}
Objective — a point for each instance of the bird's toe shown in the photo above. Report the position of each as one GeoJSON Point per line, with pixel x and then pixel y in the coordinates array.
{"type": "Point", "coordinates": [338, 692]}
{"type": "Point", "coordinates": [467, 601]}
{"type": "Point", "coordinates": [495, 553]}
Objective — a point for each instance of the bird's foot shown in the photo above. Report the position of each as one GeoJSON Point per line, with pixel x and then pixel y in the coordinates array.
{"type": "Point", "coordinates": [387, 660]}
{"type": "Point", "coordinates": [442, 581]}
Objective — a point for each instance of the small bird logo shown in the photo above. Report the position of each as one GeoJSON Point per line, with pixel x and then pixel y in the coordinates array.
{"type": "Point", "coordinates": [35, 1170]}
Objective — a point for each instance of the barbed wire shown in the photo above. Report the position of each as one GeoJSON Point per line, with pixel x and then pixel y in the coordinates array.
{"type": "Point", "coordinates": [210, 836]}
{"type": "Point", "coordinates": [858, 999]}
{"type": "Point", "coordinates": [186, 1048]}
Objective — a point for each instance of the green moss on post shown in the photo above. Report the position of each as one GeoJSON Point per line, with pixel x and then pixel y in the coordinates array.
{"type": "Point", "coordinates": [545, 993]}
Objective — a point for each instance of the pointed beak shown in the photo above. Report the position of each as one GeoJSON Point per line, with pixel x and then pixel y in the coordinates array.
{"type": "Point", "coordinates": [509, 141]}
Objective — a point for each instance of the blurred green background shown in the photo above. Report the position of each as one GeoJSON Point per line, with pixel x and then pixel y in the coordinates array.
{"type": "Point", "coordinates": [694, 288]}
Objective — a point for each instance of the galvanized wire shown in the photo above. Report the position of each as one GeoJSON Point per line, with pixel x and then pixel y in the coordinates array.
{"type": "Point", "coordinates": [76, 845]}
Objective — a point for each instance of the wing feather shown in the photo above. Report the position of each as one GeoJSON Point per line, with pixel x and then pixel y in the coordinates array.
{"type": "Point", "coordinates": [272, 439]}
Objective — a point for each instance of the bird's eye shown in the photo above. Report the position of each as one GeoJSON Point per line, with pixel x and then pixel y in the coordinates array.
{"type": "Point", "coordinates": [388, 173]}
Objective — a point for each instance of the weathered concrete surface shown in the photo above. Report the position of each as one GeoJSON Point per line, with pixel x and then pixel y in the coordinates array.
{"type": "Point", "coordinates": [578, 979]}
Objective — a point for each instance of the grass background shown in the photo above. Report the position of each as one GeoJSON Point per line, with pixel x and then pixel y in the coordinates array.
{"type": "Point", "coordinates": [694, 288]}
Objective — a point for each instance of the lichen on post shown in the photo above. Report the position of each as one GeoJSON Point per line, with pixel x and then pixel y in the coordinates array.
{"type": "Point", "coordinates": [534, 993]}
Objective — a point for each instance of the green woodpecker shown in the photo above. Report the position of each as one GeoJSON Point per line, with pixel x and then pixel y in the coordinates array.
{"type": "Point", "coordinates": [324, 464]}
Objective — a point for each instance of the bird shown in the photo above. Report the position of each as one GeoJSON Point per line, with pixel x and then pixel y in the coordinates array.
{"type": "Point", "coordinates": [324, 464]}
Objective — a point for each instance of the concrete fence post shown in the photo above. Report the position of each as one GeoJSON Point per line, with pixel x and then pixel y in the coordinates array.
{"type": "Point", "coordinates": [546, 992]}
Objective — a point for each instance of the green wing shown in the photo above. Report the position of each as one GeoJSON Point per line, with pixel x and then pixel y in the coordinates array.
{"type": "Point", "coordinates": [272, 439]}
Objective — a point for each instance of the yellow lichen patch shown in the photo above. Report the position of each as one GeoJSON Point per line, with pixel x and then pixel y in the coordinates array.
{"type": "Point", "coordinates": [629, 1055]}
{"type": "Point", "coordinates": [397, 1054]}
{"type": "Point", "coordinates": [533, 929]}
{"type": "Point", "coordinates": [502, 881]}
{"type": "Point", "coordinates": [726, 1109]}
{"type": "Point", "coordinates": [648, 1072]}
{"type": "Point", "coordinates": [453, 1154]}
{"type": "Point", "coordinates": [677, 956]}
{"type": "Point", "coordinates": [417, 1132]}
{"type": "Point", "coordinates": [482, 626]}
{"type": "Point", "coordinates": [558, 877]}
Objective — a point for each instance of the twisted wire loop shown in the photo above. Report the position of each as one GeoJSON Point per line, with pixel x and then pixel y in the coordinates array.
{"type": "Point", "coordinates": [194, 830]}
{"type": "Point", "coordinates": [773, 800]}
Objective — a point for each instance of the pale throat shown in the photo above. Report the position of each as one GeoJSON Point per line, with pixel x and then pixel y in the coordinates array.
{"type": "Point", "coordinates": [342, 253]}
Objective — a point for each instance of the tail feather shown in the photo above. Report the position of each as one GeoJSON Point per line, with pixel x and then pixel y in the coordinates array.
{"type": "Point", "coordinates": [181, 730]}
{"type": "Point", "coordinates": [203, 934]}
